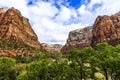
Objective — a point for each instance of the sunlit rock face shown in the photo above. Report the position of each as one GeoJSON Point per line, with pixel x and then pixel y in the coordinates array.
{"type": "Point", "coordinates": [106, 29]}
{"type": "Point", "coordinates": [79, 38]}
{"type": "Point", "coordinates": [16, 34]}
{"type": "Point", "coordinates": [14, 26]}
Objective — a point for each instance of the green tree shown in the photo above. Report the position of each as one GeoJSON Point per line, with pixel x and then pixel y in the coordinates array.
{"type": "Point", "coordinates": [22, 77]}
{"type": "Point", "coordinates": [114, 63]}
{"type": "Point", "coordinates": [56, 56]}
{"type": "Point", "coordinates": [38, 70]}
{"type": "Point", "coordinates": [7, 71]}
{"type": "Point", "coordinates": [20, 69]}
{"type": "Point", "coordinates": [81, 58]}
{"type": "Point", "coordinates": [48, 70]}
{"type": "Point", "coordinates": [105, 54]}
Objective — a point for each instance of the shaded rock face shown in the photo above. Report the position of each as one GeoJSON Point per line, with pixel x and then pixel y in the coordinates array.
{"type": "Point", "coordinates": [79, 38]}
{"type": "Point", "coordinates": [16, 27]}
{"type": "Point", "coordinates": [52, 48]}
{"type": "Point", "coordinates": [106, 29]}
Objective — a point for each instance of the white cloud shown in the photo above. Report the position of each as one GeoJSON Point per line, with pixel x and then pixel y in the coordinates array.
{"type": "Point", "coordinates": [49, 22]}
{"type": "Point", "coordinates": [43, 9]}
{"type": "Point", "coordinates": [18, 4]}
{"type": "Point", "coordinates": [89, 12]}
{"type": "Point", "coordinates": [93, 2]}
{"type": "Point", "coordinates": [109, 7]}
{"type": "Point", "coordinates": [53, 32]}
{"type": "Point", "coordinates": [86, 16]}
{"type": "Point", "coordinates": [63, 15]}
{"type": "Point", "coordinates": [82, 10]}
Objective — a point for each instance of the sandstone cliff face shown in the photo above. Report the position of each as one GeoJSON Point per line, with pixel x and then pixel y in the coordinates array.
{"type": "Point", "coordinates": [52, 48]}
{"type": "Point", "coordinates": [14, 26]}
{"type": "Point", "coordinates": [79, 38]}
{"type": "Point", "coordinates": [106, 29]}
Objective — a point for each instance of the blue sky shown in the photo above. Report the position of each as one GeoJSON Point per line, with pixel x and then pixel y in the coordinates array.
{"type": "Point", "coordinates": [52, 20]}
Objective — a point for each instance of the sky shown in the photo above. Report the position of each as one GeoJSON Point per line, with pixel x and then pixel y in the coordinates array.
{"type": "Point", "coordinates": [52, 20]}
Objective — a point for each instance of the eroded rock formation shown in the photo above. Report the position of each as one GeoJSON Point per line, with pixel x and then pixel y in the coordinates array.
{"type": "Point", "coordinates": [16, 34]}
{"type": "Point", "coordinates": [79, 38]}
{"type": "Point", "coordinates": [106, 29]}
{"type": "Point", "coordinates": [52, 48]}
{"type": "Point", "coordinates": [14, 26]}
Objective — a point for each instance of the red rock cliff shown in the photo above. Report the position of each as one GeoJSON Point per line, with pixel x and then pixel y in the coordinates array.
{"type": "Point", "coordinates": [14, 26]}
{"type": "Point", "coordinates": [106, 29]}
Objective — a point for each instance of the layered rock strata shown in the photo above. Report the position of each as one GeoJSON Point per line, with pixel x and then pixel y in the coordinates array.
{"type": "Point", "coordinates": [14, 26]}
{"type": "Point", "coordinates": [79, 38]}
{"type": "Point", "coordinates": [106, 29]}
{"type": "Point", "coordinates": [52, 48]}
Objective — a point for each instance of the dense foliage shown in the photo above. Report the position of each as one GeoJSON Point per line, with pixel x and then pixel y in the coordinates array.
{"type": "Point", "coordinates": [99, 63]}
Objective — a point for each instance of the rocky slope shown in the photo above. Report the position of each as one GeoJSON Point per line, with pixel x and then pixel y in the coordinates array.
{"type": "Point", "coordinates": [51, 48]}
{"type": "Point", "coordinates": [79, 38]}
{"type": "Point", "coordinates": [13, 26]}
{"type": "Point", "coordinates": [105, 29]}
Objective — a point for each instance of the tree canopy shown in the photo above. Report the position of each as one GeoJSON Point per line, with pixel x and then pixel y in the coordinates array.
{"type": "Point", "coordinates": [99, 63]}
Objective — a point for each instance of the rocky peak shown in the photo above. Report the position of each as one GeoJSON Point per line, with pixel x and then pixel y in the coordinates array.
{"type": "Point", "coordinates": [2, 10]}
{"type": "Point", "coordinates": [117, 14]}
{"type": "Point", "coordinates": [79, 38]}
{"type": "Point", "coordinates": [16, 27]}
{"type": "Point", "coordinates": [79, 35]}
{"type": "Point", "coordinates": [106, 29]}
